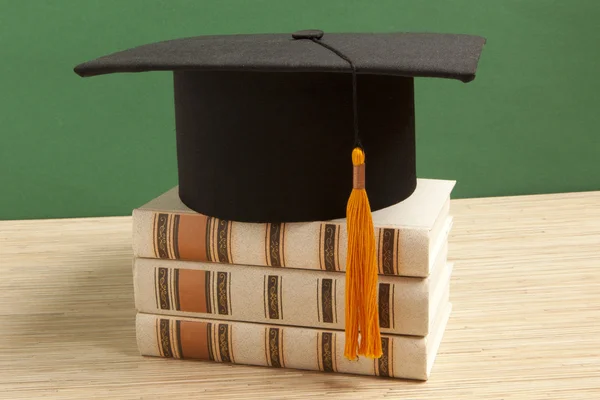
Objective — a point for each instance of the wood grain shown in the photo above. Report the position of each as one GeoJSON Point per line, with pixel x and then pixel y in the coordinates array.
{"type": "Point", "coordinates": [526, 320]}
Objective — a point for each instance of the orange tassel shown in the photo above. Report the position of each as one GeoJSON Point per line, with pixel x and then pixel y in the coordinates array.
{"type": "Point", "coordinates": [361, 271]}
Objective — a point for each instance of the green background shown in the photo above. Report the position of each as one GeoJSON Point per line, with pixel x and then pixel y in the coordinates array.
{"type": "Point", "coordinates": [73, 147]}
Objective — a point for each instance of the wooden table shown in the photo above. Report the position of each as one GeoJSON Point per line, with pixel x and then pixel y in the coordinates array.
{"type": "Point", "coordinates": [526, 319]}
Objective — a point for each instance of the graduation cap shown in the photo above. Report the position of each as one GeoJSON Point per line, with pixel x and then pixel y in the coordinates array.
{"type": "Point", "coordinates": [267, 126]}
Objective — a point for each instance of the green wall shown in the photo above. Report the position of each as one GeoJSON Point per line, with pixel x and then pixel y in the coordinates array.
{"type": "Point", "coordinates": [73, 147]}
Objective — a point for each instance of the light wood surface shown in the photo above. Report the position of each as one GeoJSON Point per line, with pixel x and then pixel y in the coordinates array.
{"type": "Point", "coordinates": [525, 325]}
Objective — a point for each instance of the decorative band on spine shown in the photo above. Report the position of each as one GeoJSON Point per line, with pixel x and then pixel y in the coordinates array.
{"type": "Point", "coordinates": [358, 181]}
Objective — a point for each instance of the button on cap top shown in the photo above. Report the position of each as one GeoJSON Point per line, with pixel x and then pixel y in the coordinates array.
{"type": "Point", "coordinates": [308, 34]}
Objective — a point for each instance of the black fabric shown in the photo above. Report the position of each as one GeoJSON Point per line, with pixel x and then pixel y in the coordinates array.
{"type": "Point", "coordinates": [315, 36]}
{"type": "Point", "coordinates": [277, 147]}
{"type": "Point", "coordinates": [265, 122]}
{"type": "Point", "coordinates": [402, 54]}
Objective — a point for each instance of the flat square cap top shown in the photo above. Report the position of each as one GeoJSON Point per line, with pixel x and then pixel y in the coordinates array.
{"type": "Point", "coordinates": [452, 56]}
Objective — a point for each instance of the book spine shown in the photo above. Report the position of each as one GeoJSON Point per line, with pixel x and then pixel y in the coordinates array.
{"type": "Point", "coordinates": [312, 245]}
{"type": "Point", "coordinates": [275, 346]}
{"type": "Point", "coordinates": [279, 296]}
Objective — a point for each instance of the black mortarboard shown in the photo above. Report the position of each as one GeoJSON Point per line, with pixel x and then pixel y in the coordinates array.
{"type": "Point", "coordinates": [264, 122]}
{"type": "Point", "coordinates": [265, 125]}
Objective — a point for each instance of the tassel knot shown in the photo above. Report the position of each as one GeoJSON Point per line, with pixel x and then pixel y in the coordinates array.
{"type": "Point", "coordinates": [358, 157]}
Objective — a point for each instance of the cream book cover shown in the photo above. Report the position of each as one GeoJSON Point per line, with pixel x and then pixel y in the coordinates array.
{"type": "Point", "coordinates": [407, 357]}
{"type": "Point", "coordinates": [282, 296]}
{"type": "Point", "coordinates": [406, 235]}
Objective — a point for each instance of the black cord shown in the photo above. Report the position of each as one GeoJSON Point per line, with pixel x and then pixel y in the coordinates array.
{"type": "Point", "coordinates": [354, 88]}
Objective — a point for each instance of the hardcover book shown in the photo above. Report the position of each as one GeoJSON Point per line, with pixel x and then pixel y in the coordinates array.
{"type": "Point", "coordinates": [407, 357]}
{"type": "Point", "coordinates": [406, 234]}
{"type": "Point", "coordinates": [282, 296]}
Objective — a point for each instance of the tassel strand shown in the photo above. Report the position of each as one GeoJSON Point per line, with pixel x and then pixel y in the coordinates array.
{"type": "Point", "coordinates": [362, 314]}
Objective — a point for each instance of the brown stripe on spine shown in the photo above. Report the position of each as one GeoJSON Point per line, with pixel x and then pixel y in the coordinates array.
{"type": "Point", "coordinates": [276, 244]}
{"type": "Point", "coordinates": [387, 251]}
{"type": "Point", "coordinates": [207, 291]}
{"type": "Point", "coordinates": [192, 291]}
{"type": "Point", "coordinates": [383, 368]}
{"type": "Point", "coordinates": [209, 239]}
{"type": "Point", "coordinates": [178, 338]}
{"type": "Point", "coordinates": [214, 293]}
{"type": "Point", "coordinates": [393, 303]}
{"type": "Point", "coordinates": [265, 295]}
{"type": "Point", "coordinates": [273, 296]}
{"type": "Point", "coordinates": [176, 294]}
{"type": "Point", "coordinates": [154, 224]}
{"type": "Point", "coordinates": [281, 349]}
{"type": "Point", "coordinates": [224, 343]}
{"type": "Point", "coordinates": [162, 221]}
{"type": "Point", "coordinates": [190, 237]}
{"type": "Point", "coordinates": [327, 351]}
{"type": "Point", "coordinates": [229, 254]}
{"type": "Point", "coordinates": [273, 243]}
{"type": "Point", "coordinates": [335, 300]}
{"type": "Point", "coordinates": [267, 244]}
{"type": "Point", "coordinates": [223, 300]}
{"type": "Point", "coordinates": [194, 340]}
{"type": "Point", "coordinates": [321, 260]}
{"type": "Point", "coordinates": [157, 332]}
{"type": "Point", "coordinates": [282, 245]}
{"type": "Point", "coordinates": [165, 339]}
{"type": "Point", "coordinates": [229, 293]}
{"type": "Point", "coordinates": [156, 289]}
{"type": "Point", "coordinates": [163, 289]}
{"type": "Point", "coordinates": [173, 336]}
{"type": "Point", "coordinates": [280, 296]}
{"type": "Point", "coordinates": [169, 236]}
{"type": "Point", "coordinates": [274, 348]}
{"type": "Point", "coordinates": [391, 356]}
{"type": "Point", "coordinates": [319, 305]}
{"type": "Point", "coordinates": [335, 367]}
{"type": "Point", "coordinates": [214, 240]}
{"type": "Point", "coordinates": [327, 300]}
{"type": "Point", "coordinates": [384, 305]}
{"type": "Point", "coordinates": [396, 251]}
{"type": "Point", "coordinates": [175, 240]}
{"type": "Point", "coordinates": [379, 233]}
{"type": "Point", "coordinates": [267, 358]}
{"type": "Point", "coordinates": [337, 248]}
{"type": "Point", "coordinates": [223, 228]}
{"type": "Point", "coordinates": [209, 340]}
{"type": "Point", "coordinates": [230, 342]}
{"type": "Point", "coordinates": [214, 333]}
{"type": "Point", "coordinates": [319, 358]}
{"type": "Point", "coordinates": [329, 246]}
{"type": "Point", "coordinates": [172, 292]}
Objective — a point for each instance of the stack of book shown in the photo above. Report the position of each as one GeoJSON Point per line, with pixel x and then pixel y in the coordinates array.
{"type": "Point", "coordinates": [273, 294]}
